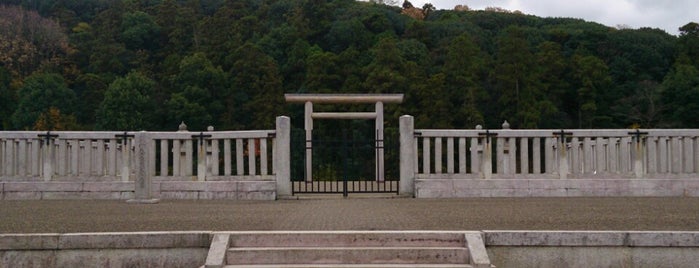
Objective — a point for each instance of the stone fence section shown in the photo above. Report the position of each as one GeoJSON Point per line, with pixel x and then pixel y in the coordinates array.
{"type": "Point", "coordinates": [508, 162]}
{"type": "Point", "coordinates": [182, 165]}
{"type": "Point", "coordinates": [433, 163]}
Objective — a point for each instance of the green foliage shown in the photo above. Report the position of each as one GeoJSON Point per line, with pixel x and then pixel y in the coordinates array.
{"type": "Point", "coordinates": [40, 93]}
{"type": "Point", "coordinates": [517, 84]}
{"type": "Point", "coordinates": [591, 77]}
{"type": "Point", "coordinates": [7, 98]}
{"type": "Point", "coordinates": [139, 30]}
{"type": "Point", "coordinates": [389, 72]}
{"type": "Point", "coordinates": [227, 63]}
{"type": "Point", "coordinates": [200, 89]}
{"type": "Point", "coordinates": [681, 93]}
{"type": "Point", "coordinates": [257, 87]}
{"type": "Point", "coordinates": [90, 90]}
{"type": "Point", "coordinates": [464, 69]}
{"type": "Point", "coordinates": [127, 104]}
{"type": "Point", "coordinates": [689, 42]}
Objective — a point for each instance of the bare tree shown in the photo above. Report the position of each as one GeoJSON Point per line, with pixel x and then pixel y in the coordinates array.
{"type": "Point", "coordinates": [27, 40]}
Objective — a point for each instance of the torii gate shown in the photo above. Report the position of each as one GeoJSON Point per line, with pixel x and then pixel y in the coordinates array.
{"type": "Point", "coordinates": [309, 115]}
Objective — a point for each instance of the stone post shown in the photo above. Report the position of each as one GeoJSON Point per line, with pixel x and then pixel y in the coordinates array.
{"type": "Point", "coordinates": [211, 151]}
{"type": "Point", "coordinates": [201, 161]}
{"type": "Point", "coordinates": [487, 160]}
{"type": "Point", "coordinates": [562, 155]}
{"type": "Point", "coordinates": [487, 153]}
{"type": "Point", "coordinates": [379, 142]}
{"type": "Point", "coordinates": [202, 155]}
{"type": "Point", "coordinates": [408, 155]}
{"type": "Point", "coordinates": [143, 182]}
{"type": "Point", "coordinates": [125, 151]}
{"type": "Point", "coordinates": [125, 160]}
{"type": "Point", "coordinates": [504, 152]}
{"type": "Point", "coordinates": [563, 161]}
{"type": "Point", "coordinates": [282, 156]}
{"type": "Point", "coordinates": [638, 153]}
{"type": "Point", "coordinates": [308, 126]}
{"type": "Point", "coordinates": [47, 157]}
{"type": "Point", "coordinates": [638, 161]}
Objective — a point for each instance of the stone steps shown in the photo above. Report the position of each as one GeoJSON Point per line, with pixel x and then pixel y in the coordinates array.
{"type": "Point", "coordinates": [347, 255]}
{"type": "Point", "coordinates": [347, 239]}
{"type": "Point", "coordinates": [345, 249]}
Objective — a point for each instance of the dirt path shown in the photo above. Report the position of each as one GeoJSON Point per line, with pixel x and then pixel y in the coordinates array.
{"type": "Point", "coordinates": [681, 214]}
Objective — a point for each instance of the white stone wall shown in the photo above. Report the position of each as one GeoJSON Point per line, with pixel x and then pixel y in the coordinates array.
{"type": "Point", "coordinates": [592, 249]}
{"type": "Point", "coordinates": [520, 163]}
{"type": "Point", "coordinates": [155, 249]}
{"type": "Point", "coordinates": [101, 165]}
{"type": "Point", "coordinates": [460, 188]}
{"type": "Point", "coordinates": [509, 153]}
{"type": "Point", "coordinates": [232, 190]}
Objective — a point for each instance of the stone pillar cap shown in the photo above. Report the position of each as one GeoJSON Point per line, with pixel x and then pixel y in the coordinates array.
{"type": "Point", "coordinates": [182, 127]}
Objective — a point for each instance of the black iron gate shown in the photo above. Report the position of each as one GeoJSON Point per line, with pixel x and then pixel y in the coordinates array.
{"type": "Point", "coordinates": [344, 161]}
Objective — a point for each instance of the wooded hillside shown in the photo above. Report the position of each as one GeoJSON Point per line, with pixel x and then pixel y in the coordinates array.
{"type": "Point", "coordinates": [150, 64]}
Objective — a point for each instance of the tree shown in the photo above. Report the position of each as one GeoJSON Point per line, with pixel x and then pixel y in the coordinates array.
{"type": "Point", "coordinates": [644, 107]}
{"type": "Point", "coordinates": [177, 23]}
{"type": "Point", "coordinates": [200, 92]}
{"type": "Point", "coordinates": [181, 109]}
{"type": "Point", "coordinates": [40, 93]}
{"type": "Point", "coordinates": [433, 103]}
{"type": "Point", "coordinates": [591, 78]}
{"type": "Point", "coordinates": [388, 72]}
{"type": "Point", "coordinates": [258, 96]}
{"type": "Point", "coordinates": [553, 70]}
{"type": "Point", "coordinates": [346, 33]}
{"type": "Point", "coordinates": [689, 42]}
{"type": "Point", "coordinates": [484, 66]}
{"type": "Point", "coordinates": [464, 69]}
{"type": "Point", "coordinates": [427, 9]}
{"type": "Point", "coordinates": [127, 104]}
{"type": "Point", "coordinates": [54, 120]}
{"type": "Point", "coordinates": [139, 30]}
{"type": "Point", "coordinates": [681, 92]}
{"type": "Point", "coordinates": [323, 74]}
{"type": "Point", "coordinates": [517, 83]}
{"type": "Point", "coordinates": [7, 98]}
{"type": "Point", "coordinates": [29, 41]}
{"type": "Point", "coordinates": [90, 90]}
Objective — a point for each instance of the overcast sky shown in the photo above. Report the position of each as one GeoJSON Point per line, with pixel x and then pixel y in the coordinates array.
{"type": "Point", "coordinates": [668, 15]}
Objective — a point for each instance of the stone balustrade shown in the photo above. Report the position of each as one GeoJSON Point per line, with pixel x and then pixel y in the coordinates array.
{"type": "Point", "coordinates": [34, 156]}
{"type": "Point", "coordinates": [182, 163]}
{"type": "Point", "coordinates": [433, 163]}
{"type": "Point", "coordinates": [603, 153]}
{"type": "Point", "coordinates": [581, 162]}
{"type": "Point", "coordinates": [103, 156]}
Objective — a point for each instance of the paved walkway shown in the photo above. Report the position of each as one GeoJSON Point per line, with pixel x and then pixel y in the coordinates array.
{"type": "Point", "coordinates": [681, 214]}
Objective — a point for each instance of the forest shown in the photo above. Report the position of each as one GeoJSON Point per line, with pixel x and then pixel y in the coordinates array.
{"type": "Point", "coordinates": [151, 64]}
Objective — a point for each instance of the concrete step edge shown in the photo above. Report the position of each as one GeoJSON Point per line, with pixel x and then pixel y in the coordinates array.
{"type": "Point", "coordinates": [373, 255]}
{"type": "Point", "coordinates": [347, 239]}
{"type": "Point", "coordinates": [351, 266]}
{"type": "Point", "coordinates": [341, 248]}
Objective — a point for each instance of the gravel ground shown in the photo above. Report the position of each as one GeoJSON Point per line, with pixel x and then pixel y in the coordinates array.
{"type": "Point", "coordinates": [64, 216]}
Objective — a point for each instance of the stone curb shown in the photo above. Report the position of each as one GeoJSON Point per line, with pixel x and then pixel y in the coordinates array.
{"type": "Point", "coordinates": [105, 240]}
{"type": "Point", "coordinates": [591, 238]}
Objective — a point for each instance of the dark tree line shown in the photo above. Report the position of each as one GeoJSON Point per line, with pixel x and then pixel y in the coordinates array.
{"type": "Point", "coordinates": [150, 64]}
